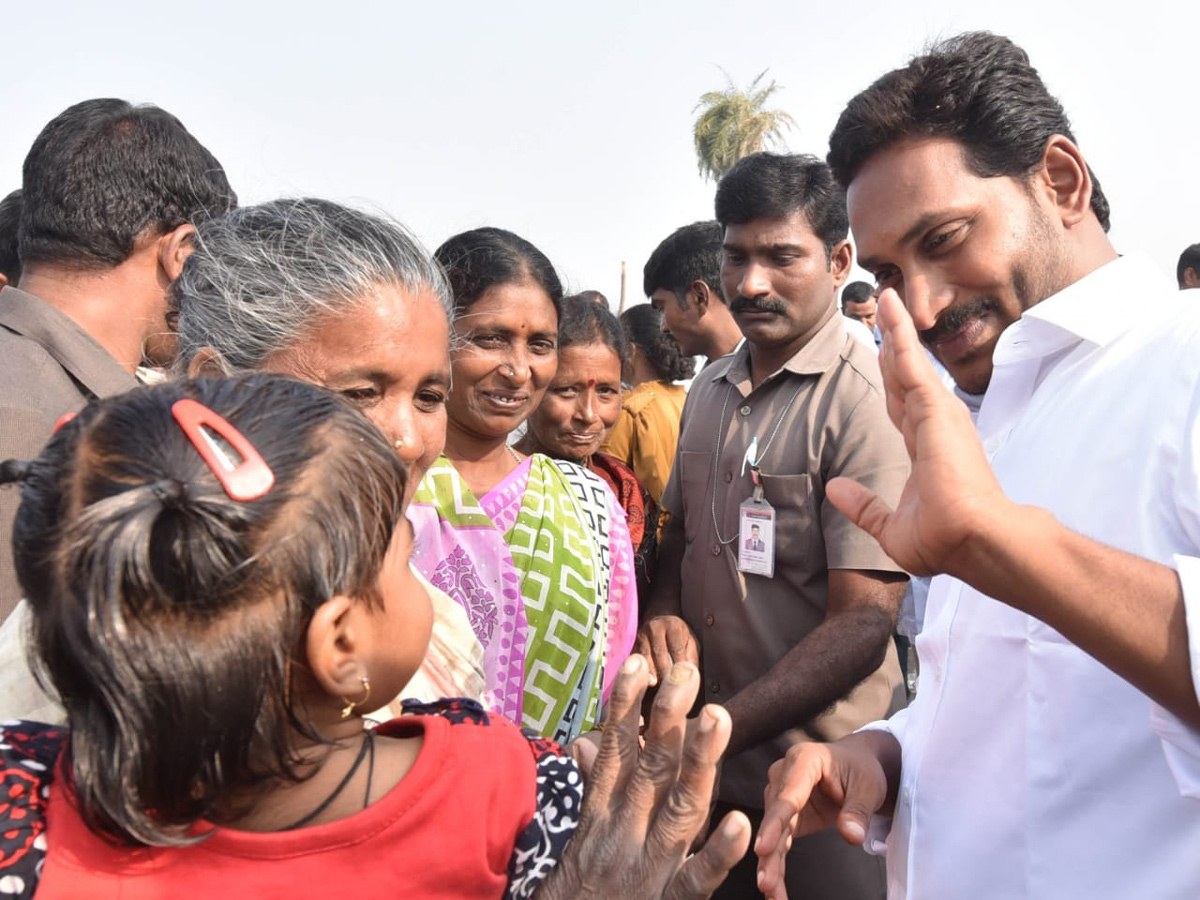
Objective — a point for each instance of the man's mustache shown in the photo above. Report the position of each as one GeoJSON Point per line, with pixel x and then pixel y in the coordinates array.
{"type": "Point", "coordinates": [758, 304]}
{"type": "Point", "coordinates": [953, 319]}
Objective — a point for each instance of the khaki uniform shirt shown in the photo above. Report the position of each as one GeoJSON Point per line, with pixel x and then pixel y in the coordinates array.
{"type": "Point", "coordinates": [50, 366]}
{"type": "Point", "coordinates": [820, 416]}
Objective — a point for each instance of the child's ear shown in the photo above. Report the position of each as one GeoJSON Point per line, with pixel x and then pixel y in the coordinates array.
{"type": "Point", "coordinates": [335, 644]}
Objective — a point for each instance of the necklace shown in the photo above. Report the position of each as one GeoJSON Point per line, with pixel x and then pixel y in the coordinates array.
{"type": "Point", "coordinates": [368, 746]}
{"type": "Point", "coordinates": [761, 453]}
{"type": "Point", "coordinates": [515, 455]}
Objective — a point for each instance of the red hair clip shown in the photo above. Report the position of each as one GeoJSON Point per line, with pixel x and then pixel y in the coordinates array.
{"type": "Point", "coordinates": [63, 420]}
{"type": "Point", "coordinates": [246, 480]}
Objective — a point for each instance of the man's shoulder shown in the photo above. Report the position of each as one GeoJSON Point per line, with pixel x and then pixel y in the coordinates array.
{"type": "Point", "coordinates": [861, 364]}
{"type": "Point", "coordinates": [708, 381]}
{"type": "Point", "coordinates": [854, 381]}
{"type": "Point", "coordinates": [31, 373]}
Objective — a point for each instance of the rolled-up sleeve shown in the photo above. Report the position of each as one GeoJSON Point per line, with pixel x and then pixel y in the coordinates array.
{"type": "Point", "coordinates": [880, 827]}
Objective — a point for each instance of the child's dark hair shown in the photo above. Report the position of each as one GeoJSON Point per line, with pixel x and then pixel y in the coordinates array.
{"type": "Point", "coordinates": [166, 615]}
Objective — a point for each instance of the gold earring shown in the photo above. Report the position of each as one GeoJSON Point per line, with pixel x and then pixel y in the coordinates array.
{"type": "Point", "coordinates": [351, 704]}
{"type": "Point", "coordinates": [400, 444]}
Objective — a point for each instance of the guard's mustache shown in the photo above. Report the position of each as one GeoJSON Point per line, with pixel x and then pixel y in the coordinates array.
{"type": "Point", "coordinates": [758, 304]}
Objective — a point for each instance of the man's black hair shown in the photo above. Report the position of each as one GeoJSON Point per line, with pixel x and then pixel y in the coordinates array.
{"type": "Point", "coordinates": [978, 89]}
{"type": "Point", "coordinates": [690, 254]}
{"type": "Point", "coordinates": [774, 186]}
{"type": "Point", "coordinates": [1189, 259]}
{"type": "Point", "coordinates": [103, 173]}
{"type": "Point", "coordinates": [10, 221]}
{"type": "Point", "coordinates": [857, 292]}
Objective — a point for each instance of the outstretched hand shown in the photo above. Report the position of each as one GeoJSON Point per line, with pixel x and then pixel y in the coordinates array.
{"type": "Point", "coordinates": [814, 787]}
{"type": "Point", "coordinates": [951, 497]}
{"type": "Point", "coordinates": [643, 808]}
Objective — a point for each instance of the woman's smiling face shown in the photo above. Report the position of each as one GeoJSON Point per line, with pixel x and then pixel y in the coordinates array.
{"type": "Point", "coordinates": [504, 357]}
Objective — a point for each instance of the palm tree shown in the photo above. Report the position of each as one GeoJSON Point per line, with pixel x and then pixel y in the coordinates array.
{"type": "Point", "coordinates": [736, 123]}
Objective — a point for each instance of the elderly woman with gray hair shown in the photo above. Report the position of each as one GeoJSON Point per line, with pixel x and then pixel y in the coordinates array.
{"type": "Point", "coordinates": [329, 295]}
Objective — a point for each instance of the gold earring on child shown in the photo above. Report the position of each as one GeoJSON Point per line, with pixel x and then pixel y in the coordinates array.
{"type": "Point", "coordinates": [351, 704]}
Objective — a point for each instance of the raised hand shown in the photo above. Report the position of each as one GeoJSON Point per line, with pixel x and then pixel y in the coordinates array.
{"type": "Point", "coordinates": [951, 498]}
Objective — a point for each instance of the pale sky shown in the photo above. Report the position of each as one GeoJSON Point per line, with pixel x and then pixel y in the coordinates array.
{"type": "Point", "coordinates": [572, 126]}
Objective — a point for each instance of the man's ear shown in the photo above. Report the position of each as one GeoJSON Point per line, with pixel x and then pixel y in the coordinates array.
{"type": "Point", "coordinates": [1191, 278]}
{"type": "Point", "coordinates": [207, 363]}
{"type": "Point", "coordinates": [1065, 179]}
{"type": "Point", "coordinates": [3, 280]}
{"type": "Point", "coordinates": [173, 248]}
{"type": "Point", "coordinates": [701, 295]}
{"type": "Point", "coordinates": [841, 258]}
{"type": "Point", "coordinates": [334, 647]}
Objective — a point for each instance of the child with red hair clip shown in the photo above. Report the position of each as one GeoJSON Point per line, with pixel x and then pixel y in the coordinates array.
{"type": "Point", "coordinates": [220, 591]}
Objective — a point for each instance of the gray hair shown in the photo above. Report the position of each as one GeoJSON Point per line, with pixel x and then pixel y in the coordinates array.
{"type": "Point", "coordinates": [261, 276]}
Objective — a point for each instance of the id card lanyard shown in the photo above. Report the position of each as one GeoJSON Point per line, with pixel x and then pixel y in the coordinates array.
{"type": "Point", "coordinates": [756, 517]}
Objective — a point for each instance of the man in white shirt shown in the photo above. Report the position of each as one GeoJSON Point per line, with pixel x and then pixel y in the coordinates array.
{"type": "Point", "coordinates": [1053, 749]}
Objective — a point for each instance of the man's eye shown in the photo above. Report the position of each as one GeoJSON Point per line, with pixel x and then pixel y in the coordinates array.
{"type": "Point", "coordinates": [360, 395]}
{"type": "Point", "coordinates": [936, 241]}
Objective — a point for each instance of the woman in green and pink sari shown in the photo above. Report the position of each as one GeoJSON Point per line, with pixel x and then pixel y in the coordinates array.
{"type": "Point", "coordinates": [535, 550]}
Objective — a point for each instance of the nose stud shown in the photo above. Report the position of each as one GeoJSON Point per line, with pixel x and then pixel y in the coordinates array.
{"type": "Point", "coordinates": [400, 444]}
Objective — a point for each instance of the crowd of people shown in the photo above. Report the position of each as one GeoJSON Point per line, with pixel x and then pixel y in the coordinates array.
{"type": "Point", "coordinates": [328, 557]}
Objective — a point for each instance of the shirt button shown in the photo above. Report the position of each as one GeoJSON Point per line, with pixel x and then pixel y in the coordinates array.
{"type": "Point", "coordinates": [906, 795]}
{"type": "Point", "coordinates": [714, 688]}
{"type": "Point", "coordinates": [728, 477]}
{"type": "Point", "coordinates": [745, 410]}
{"type": "Point", "coordinates": [716, 549]}
{"type": "Point", "coordinates": [708, 620]}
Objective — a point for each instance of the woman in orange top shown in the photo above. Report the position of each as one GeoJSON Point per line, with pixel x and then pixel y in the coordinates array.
{"type": "Point", "coordinates": [648, 429]}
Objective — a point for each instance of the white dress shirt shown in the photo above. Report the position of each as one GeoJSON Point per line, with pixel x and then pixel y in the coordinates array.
{"type": "Point", "coordinates": [1029, 769]}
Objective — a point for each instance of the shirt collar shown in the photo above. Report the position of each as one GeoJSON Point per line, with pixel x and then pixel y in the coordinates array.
{"type": "Point", "coordinates": [1098, 308]}
{"type": "Point", "coordinates": [814, 358]}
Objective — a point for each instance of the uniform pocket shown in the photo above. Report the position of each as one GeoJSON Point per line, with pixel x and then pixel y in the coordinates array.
{"type": "Point", "coordinates": [795, 517]}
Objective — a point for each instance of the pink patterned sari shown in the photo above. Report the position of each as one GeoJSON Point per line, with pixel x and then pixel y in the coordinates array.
{"type": "Point", "coordinates": [543, 566]}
